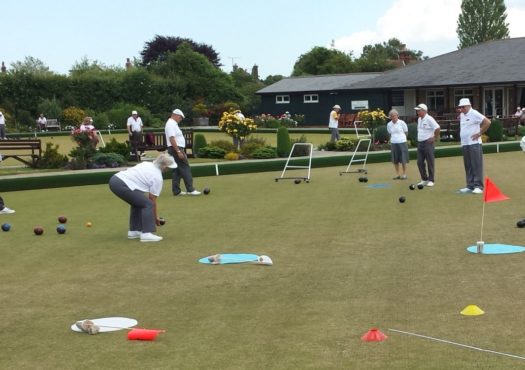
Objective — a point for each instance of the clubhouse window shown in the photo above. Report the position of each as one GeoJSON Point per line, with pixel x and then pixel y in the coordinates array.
{"type": "Point", "coordinates": [282, 99]}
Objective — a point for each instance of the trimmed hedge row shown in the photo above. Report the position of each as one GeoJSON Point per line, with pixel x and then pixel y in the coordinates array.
{"type": "Point", "coordinates": [72, 178]}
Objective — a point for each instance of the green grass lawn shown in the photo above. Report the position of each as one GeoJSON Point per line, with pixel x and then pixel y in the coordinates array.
{"type": "Point", "coordinates": [347, 257]}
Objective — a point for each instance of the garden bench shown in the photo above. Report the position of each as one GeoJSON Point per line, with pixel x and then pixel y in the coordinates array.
{"type": "Point", "coordinates": [31, 148]}
{"type": "Point", "coordinates": [53, 124]}
{"type": "Point", "coordinates": [157, 141]}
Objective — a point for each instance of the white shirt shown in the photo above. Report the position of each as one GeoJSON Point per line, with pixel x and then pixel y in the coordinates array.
{"type": "Point", "coordinates": [426, 127]}
{"type": "Point", "coordinates": [333, 120]}
{"type": "Point", "coordinates": [136, 124]}
{"type": "Point", "coordinates": [42, 120]}
{"type": "Point", "coordinates": [397, 131]}
{"type": "Point", "coordinates": [172, 130]}
{"type": "Point", "coordinates": [469, 124]}
{"type": "Point", "coordinates": [2, 120]}
{"type": "Point", "coordinates": [87, 127]}
{"type": "Point", "coordinates": [145, 177]}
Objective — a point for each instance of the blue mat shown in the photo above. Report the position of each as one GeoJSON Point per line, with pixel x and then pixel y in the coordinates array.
{"type": "Point", "coordinates": [379, 186]}
{"type": "Point", "coordinates": [497, 249]}
{"type": "Point", "coordinates": [228, 258]}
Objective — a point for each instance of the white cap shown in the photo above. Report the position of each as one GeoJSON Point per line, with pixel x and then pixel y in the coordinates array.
{"type": "Point", "coordinates": [178, 112]}
{"type": "Point", "coordinates": [463, 102]}
{"type": "Point", "coordinates": [336, 107]}
{"type": "Point", "coordinates": [422, 107]}
{"type": "Point", "coordinates": [134, 112]}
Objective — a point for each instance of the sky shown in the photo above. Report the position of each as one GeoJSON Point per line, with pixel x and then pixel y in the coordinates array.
{"type": "Point", "coordinates": [270, 33]}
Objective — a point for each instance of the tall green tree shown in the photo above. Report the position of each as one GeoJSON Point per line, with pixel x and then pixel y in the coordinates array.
{"type": "Point", "coordinates": [30, 65]}
{"type": "Point", "coordinates": [321, 61]}
{"type": "Point", "coordinates": [480, 21]}
{"type": "Point", "coordinates": [157, 50]}
{"type": "Point", "coordinates": [380, 57]}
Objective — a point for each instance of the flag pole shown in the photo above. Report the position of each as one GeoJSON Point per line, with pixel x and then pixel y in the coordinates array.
{"type": "Point", "coordinates": [482, 219]}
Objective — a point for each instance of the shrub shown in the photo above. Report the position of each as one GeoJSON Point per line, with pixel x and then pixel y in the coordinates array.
{"type": "Point", "coordinates": [251, 145]}
{"type": "Point", "coordinates": [234, 124]}
{"type": "Point", "coordinates": [521, 130]}
{"type": "Point", "coordinates": [231, 156]}
{"type": "Point", "coordinates": [119, 114]}
{"type": "Point", "coordinates": [283, 142]}
{"type": "Point", "coordinates": [224, 144]}
{"type": "Point", "coordinates": [495, 131]}
{"type": "Point", "coordinates": [113, 146]}
{"type": "Point", "coordinates": [51, 158]}
{"type": "Point", "coordinates": [300, 150]}
{"type": "Point", "coordinates": [412, 134]}
{"type": "Point", "coordinates": [381, 135]}
{"type": "Point", "coordinates": [108, 160]}
{"type": "Point", "coordinates": [199, 141]}
{"type": "Point", "coordinates": [328, 146]}
{"type": "Point", "coordinates": [73, 116]}
{"type": "Point", "coordinates": [101, 121]}
{"type": "Point", "coordinates": [24, 119]}
{"type": "Point", "coordinates": [51, 108]}
{"type": "Point", "coordinates": [264, 153]}
{"type": "Point", "coordinates": [372, 119]}
{"type": "Point", "coordinates": [344, 145]}
{"type": "Point", "coordinates": [211, 152]}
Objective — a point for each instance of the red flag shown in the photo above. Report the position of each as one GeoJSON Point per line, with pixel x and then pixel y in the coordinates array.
{"type": "Point", "coordinates": [492, 193]}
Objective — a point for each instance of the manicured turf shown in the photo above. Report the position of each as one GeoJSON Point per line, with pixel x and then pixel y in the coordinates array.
{"type": "Point", "coordinates": [347, 257]}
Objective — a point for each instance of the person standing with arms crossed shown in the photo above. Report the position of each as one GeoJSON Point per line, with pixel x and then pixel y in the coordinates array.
{"type": "Point", "coordinates": [472, 125]}
{"type": "Point", "coordinates": [398, 130]}
{"type": "Point", "coordinates": [176, 144]}
{"type": "Point", "coordinates": [333, 123]}
{"type": "Point", "coordinates": [427, 133]}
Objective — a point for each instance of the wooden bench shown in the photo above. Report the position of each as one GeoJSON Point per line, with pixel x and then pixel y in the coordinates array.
{"type": "Point", "coordinates": [157, 141]}
{"type": "Point", "coordinates": [53, 124]}
{"type": "Point", "coordinates": [22, 148]}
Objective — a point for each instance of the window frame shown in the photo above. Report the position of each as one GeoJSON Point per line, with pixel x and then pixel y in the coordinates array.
{"type": "Point", "coordinates": [282, 99]}
{"type": "Point", "coordinates": [311, 100]}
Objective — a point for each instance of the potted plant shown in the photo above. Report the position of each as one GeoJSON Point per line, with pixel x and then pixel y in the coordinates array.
{"type": "Point", "coordinates": [201, 114]}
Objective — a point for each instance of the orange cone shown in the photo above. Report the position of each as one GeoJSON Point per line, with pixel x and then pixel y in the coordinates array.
{"type": "Point", "coordinates": [374, 335]}
{"type": "Point", "coordinates": [143, 334]}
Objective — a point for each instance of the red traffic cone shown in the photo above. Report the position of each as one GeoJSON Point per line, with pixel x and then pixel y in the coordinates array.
{"type": "Point", "coordinates": [374, 335]}
{"type": "Point", "coordinates": [143, 334]}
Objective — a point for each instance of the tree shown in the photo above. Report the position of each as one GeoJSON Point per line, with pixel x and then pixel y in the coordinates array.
{"type": "Point", "coordinates": [157, 49]}
{"type": "Point", "coordinates": [480, 21]}
{"type": "Point", "coordinates": [381, 57]}
{"type": "Point", "coordinates": [320, 61]}
{"type": "Point", "coordinates": [30, 65]}
{"type": "Point", "coordinates": [193, 77]}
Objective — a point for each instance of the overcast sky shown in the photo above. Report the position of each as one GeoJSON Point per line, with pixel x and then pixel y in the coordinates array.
{"type": "Point", "coordinates": [269, 33]}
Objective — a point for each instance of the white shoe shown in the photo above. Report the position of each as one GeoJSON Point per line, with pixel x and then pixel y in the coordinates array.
{"type": "Point", "coordinates": [465, 190]}
{"type": "Point", "coordinates": [430, 183]}
{"type": "Point", "coordinates": [150, 237]}
{"type": "Point", "coordinates": [477, 191]}
{"type": "Point", "coordinates": [7, 211]}
{"type": "Point", "coordinates": [195, 192]}
{"type": "Point", "coordinates": [423, 182]}
{"type": "Point", "coordinates": [134, 234]}
{"type": "Point", "coordinates": [181, 193]}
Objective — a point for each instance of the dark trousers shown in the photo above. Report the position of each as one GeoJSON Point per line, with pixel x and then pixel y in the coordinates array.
{"type": "Point", "coordinates": [425, 160]}
{"type": "Point", "coordinates": [135, 139]}
{"type": "Point", "coordinates": [141, 217]}
{"type": "Point", "coordinates": [2, 206]}
{"type": "Point", "coordinates": [473, 162]}
{"type": "Point", "coordinates": [183, 171]}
